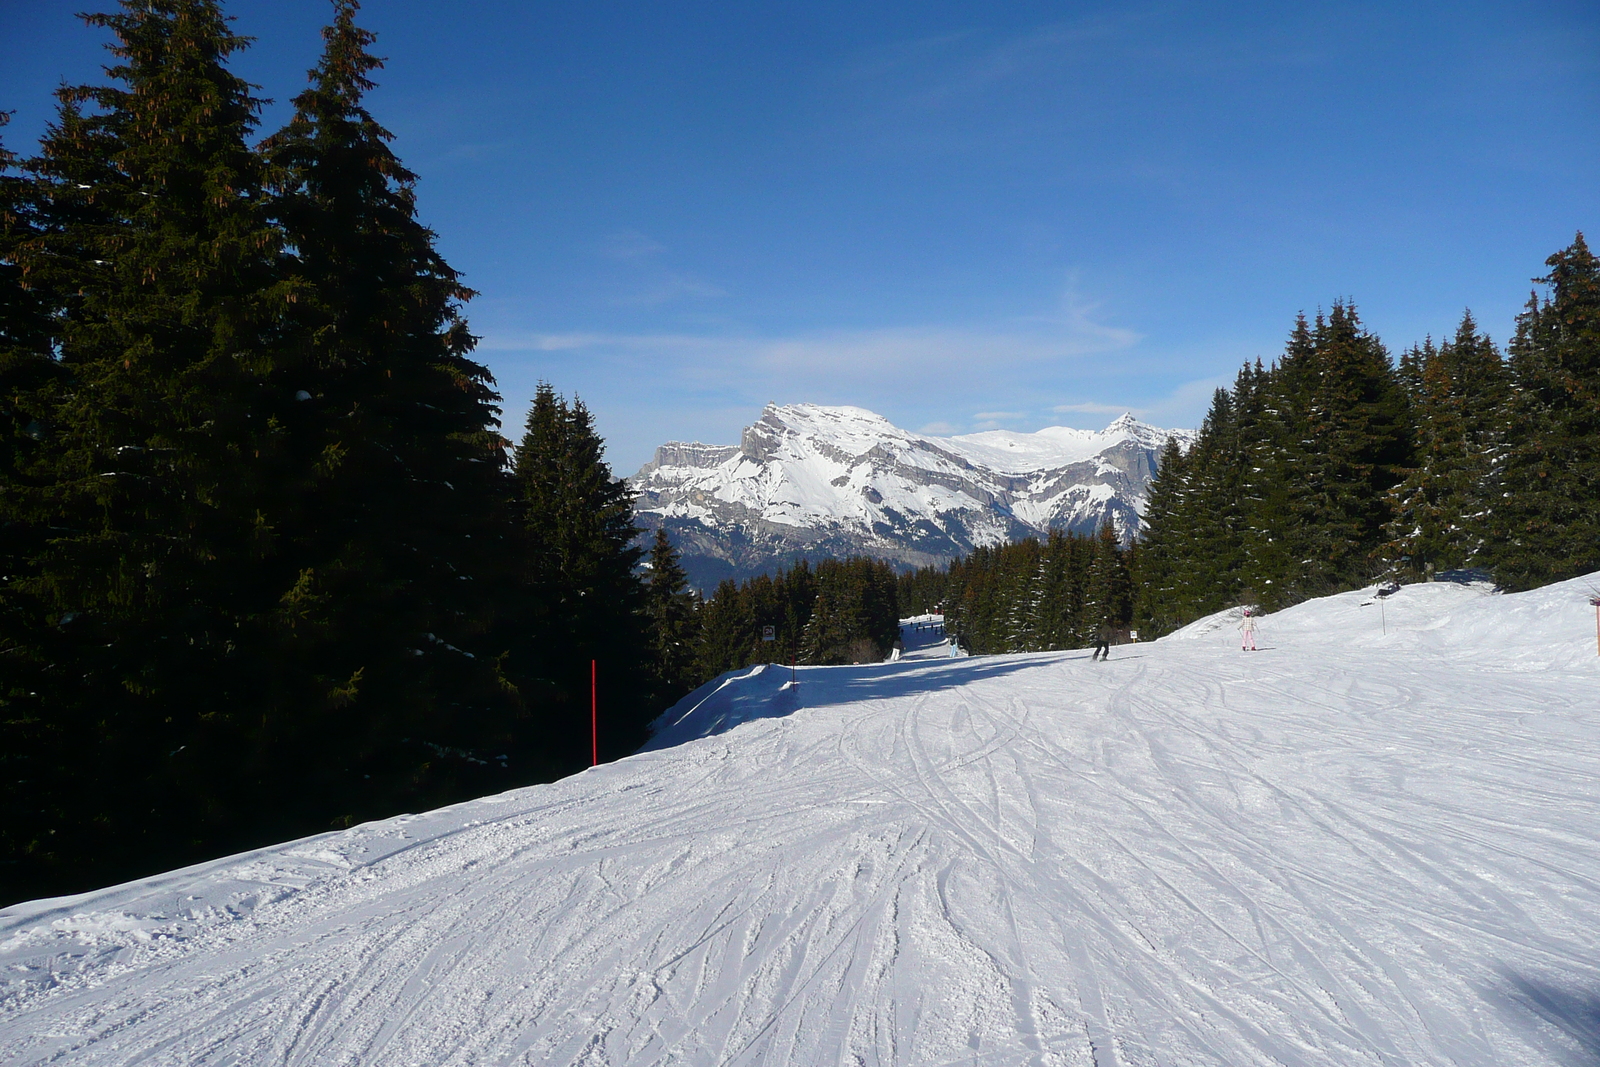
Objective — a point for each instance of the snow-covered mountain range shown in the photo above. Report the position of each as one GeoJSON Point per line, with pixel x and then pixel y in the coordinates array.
{"type": "Point", "coordinates": [809, 480]}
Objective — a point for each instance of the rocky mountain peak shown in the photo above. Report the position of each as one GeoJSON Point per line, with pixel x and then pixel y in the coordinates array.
{"type": "Point", "coordinates": [808, 480]}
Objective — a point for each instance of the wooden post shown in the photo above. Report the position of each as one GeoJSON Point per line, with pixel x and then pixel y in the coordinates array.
{"type": "Point", "coordinates": [594, 714]}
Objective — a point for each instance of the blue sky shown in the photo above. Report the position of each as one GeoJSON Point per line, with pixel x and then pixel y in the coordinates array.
{"type": "Point", "coordinates": [961, 215]}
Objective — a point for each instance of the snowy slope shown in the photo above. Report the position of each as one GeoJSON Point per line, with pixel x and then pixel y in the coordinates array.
{"type": "Point", "coordinates": [1352, 847]}
{"type": "Point", "coordinates": [813, 480]}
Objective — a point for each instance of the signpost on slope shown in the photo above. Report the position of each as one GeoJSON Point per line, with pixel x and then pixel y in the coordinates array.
{"type": "Point", "coordinates": [769, 633]}
{"type": "Point", "coordinates": [1595, 600]}
{"type": "Point", "coordinates": [594, 714]}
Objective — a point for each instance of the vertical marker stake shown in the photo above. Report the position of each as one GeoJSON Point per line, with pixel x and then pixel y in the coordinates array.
{"type": "Point", "coordinates": [594, 715]}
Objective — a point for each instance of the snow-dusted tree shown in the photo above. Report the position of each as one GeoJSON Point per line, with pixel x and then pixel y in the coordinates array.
{"type": "Point", "coordinates": [1460, 392]}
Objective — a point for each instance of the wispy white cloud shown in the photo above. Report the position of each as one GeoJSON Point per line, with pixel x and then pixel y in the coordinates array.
{"type": "Point", "coordinates": [669, 287]}
{"type": "Point", "coordinates": [936, 69]}
{"type": "Point", "coordinates": [643, 279]}
{"type": "Point", "coordinates": [1021, 58]}
{"type": "Point", "coordinates": [478, 152]}
{"type": "Point", "coordinates": [1091, 408]}
{"type": "Point", "coordinates": [629, 244]}
{"type": "Point", "coordinates": [843, 356]}
{"type": "Point", "coordinates": [1187, 403]}
{"type": "Point", "coordinates": [932, 376]}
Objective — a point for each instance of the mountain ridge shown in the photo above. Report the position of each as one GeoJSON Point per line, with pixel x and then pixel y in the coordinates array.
{"type": "Point", "coordinates": [812, 481]}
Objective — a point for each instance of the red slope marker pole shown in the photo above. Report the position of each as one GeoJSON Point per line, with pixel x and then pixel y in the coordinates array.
{"type": "Point", "coordinates": [594, 715]}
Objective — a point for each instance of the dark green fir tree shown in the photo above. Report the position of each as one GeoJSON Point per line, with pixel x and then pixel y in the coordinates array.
{"type": "Point", "coordinates": [150, 224]}
{"type": "Point", "coordinates": [728, 635]}
{"type": "Point", "coordinates": [579, 597]}
{"type": "Point", "coordinates": [1545, 525]}
{"type": "Point", "coordinates": [35, 754]}
{"type": "Point", "coordinates": [1161, 602]}
{"type": "Point", "coordinates": [392, 532]}
{"type": "Point", "coordinates": [856, 618]}
{"type": "Point", "coordinates": [1109, 593]}
{"type": "Point", "coordinates": [1460, 392]}
{"type": "Point", "coordinates": [1354, 449]}
{"type": "Point", "coordinates": [673, 610]}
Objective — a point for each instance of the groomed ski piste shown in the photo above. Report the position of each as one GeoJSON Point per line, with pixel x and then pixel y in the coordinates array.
{"type": "Point", "coordinates": [1374, 841]}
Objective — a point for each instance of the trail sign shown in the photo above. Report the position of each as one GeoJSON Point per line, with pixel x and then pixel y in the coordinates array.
{"type": "Point", "coordinates": [769, 633]}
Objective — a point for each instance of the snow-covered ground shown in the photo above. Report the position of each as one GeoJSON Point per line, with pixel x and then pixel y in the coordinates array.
{"type": "Point", "coordinates": [1351, 847]}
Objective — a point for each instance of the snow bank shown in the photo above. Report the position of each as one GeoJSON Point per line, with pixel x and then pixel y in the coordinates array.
{"type": "Point", "coordinates": [1535, 630]}
{"type": "Point", "coordinates": [1353, 847]}
{"type": "Point", "coordinates": [760, 692]}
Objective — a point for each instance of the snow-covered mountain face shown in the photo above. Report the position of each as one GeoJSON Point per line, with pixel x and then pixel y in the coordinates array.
{"type": "Point", "coordinates": [808, 480]}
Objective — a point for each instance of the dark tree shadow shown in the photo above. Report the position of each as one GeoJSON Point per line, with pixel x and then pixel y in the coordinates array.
{"type": "Point", "coordinates": [1563, 1017]}
{"type": "Point", "coordinates": [845, 685]}
{"type": "Point", "coordinates": [766, 693]}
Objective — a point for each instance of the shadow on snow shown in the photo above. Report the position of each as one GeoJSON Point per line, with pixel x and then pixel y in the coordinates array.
{"type": "Point", "coordinates": [766, 692]}
{"type": "Point", "coordinates": [1566, 1018]}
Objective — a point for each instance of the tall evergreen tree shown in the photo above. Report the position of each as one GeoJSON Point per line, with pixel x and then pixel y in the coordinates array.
{"type": "Point", "coordinates": [389, 477]}
{"type": "Point", "coordinates": [1215, 505]}
{"type": "Point", "coordinates": [388, 471]}
{"type": "Point", "coordinates": [672, 608]}
{"type": "Point", "coordinates": [1280, 480]}
{"type": "Point", "coordinates": [1357, 444]}
{"type": "Point", "coordinates": [1546, 521]}
{"type": "Point", "coordinates": [1108, 597]}
{"type": "Point", "coordinates": [731, 622]}
{"type": "Point", "coordinates": [728, 634]}
{"type": "Point", "coordinates": [580, 599]}
{"type": "Point", "coordinates": [1285, 493]}
{"type": "Point", "coordinates": [25, 332]}
{"type": "Point", "coordinates": [34, 753]}
{"type": "Point", "coordinates": [1058, 603]}
{"type": "Point", "coordinates": [1160, 604]}
{"type": "Point", "coordinates": [1460, 391]}
{"type": "Point", "coordinates": [151, 223]}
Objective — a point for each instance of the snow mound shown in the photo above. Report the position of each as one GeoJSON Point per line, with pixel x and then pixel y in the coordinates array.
{"type": "Point", "coordinates": [1374, 841]}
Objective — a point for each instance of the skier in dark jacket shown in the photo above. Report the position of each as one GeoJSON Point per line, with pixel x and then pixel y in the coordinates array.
{"type": "Point", "coordinates": [1102, 641]}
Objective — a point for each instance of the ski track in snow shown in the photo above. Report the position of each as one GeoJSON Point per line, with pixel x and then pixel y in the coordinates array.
{"type": "Point", "coordinates": [1349, 848]}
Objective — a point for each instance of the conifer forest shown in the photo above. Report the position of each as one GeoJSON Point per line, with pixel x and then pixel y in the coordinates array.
{"type": "Point", "coordinates": [270, 565]}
